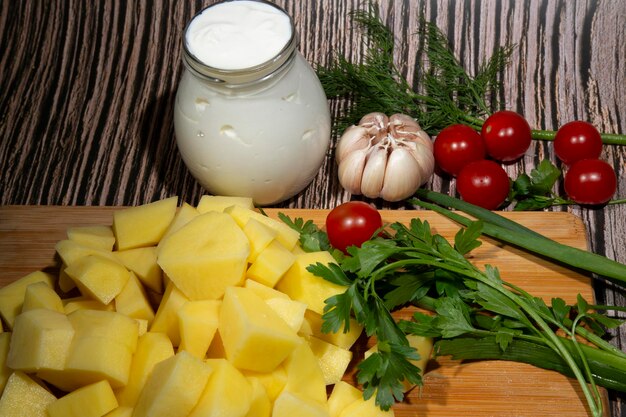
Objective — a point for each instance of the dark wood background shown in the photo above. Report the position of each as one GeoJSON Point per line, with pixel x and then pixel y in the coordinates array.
{"type": "Point", "coordinates": [87, 94]}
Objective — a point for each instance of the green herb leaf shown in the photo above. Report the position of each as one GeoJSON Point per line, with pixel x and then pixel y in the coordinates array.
{"type": "Point", "coordinates": [466, 240]}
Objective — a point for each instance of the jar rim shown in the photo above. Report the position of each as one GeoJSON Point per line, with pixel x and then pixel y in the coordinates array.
{"type": "Point", "coordinates": [241, 76]}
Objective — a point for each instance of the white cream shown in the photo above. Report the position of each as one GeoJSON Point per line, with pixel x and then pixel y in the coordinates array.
{"type": "Point", "coordinates": [238, 34]}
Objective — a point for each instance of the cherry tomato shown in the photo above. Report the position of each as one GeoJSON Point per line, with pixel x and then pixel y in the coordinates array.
{"type": "Point", "coordinates": [483, 183]}
{"type": "Point", "coordinates": [456, 146]}
{"type": "Point", "coordinates": [577, 140]}
{"type": "Point", "coordinates": [507, 135]}
{"type": "Point", "coordinates": [351, 224]}
{"type": "Point", "coordinates": [590, 181]}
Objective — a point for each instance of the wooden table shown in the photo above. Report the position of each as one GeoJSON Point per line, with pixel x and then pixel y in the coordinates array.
{"type": "Point", "coordinates": [87, 94]}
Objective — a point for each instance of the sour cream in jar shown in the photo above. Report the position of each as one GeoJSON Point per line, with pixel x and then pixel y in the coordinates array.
{"type": "Point", "coordinates": [251, 118]}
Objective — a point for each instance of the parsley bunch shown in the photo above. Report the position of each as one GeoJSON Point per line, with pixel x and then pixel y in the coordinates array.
{"type": "Point", "coordinates": [468, 307]}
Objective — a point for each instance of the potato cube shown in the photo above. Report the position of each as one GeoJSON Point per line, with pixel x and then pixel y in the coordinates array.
{"type": "Point", "coordinates": [41, 295]}
{"type": "Point", "coordinates": [84, 303]}
{"type": "Point", "coordinates": [292, 312]}
{"type": "Point", "coordinates": [254, 337]}
{"type": "Point", "coordinates": [312, 326]}
{"type": "Point", "coordinates": [143, 225]}
{"type": "Point", "coordinates": [205, 256]}
{"type": "Point", "coordinates": [332, 359]}
{"type": "Point", "coordinates": [264, 291]}
{"type": "Point", "coordinates": [98, 277]}
{"type": "Point", "coordinates": [271, 264]}
{"type": "Point", "coordinates": [152, 348]}
{"type": "Point", "coordinates": [121, 411]}
{"type": "Point", "coordinates": [274, 382]}
{"type": "Point", "coordinates": [198, 321]}
{"type": "Point", "coordinates": [66, 283]}
{"type": "Point", "coordinates": [166, 318]}
{"type": "Point", "coordinates": [70, 251]}
{"type": "Point", "coordinates": [94, 400]}
{"type": "Point", "coordinates": [301, 285]}
{"type": "Point", "coordinates": [143, 262]}
{"type": "Point", "coordinates": [289, 404]}
{"type": "Point", "coordinates": [260, 235]}
{"type": "Point", "coordinates": [41, 340]}
{"type": "Point", "coordinates": [108, 325]}
{"type": "Point", "coordinates": [342, 395]}
{"type": "Point", "coordinates": [220, 202]}
{"type": "Point", "coordinates": [23, 396]}
{"type": "Point", "coordinates": [12, 295]}
{"type": "Point", "coordinates": [184, 215]}
{"type": "Point", "coordinates": [133, 302]}
{"type": "Point", "coordinates": [363, 408]}
{"type": "Point", "coordinates": [227, 393]}
{"type": "Point", "coordinates": [174, 387]}
{"type": "Point", "coordinates": [260, 405]}
{"type": "Point", "coordinates": [5, 371]}
{"type": "Point", "coordinates": [285, 234]}
{"type": "Point", "coordinates": [99, 237]}
{"type": "Point", "coordinates": [304, 375]}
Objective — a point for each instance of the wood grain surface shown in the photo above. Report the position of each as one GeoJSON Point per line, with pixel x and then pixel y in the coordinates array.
{"type": "Point", "coordinates": [28, 235]}
{"type": "Point", "coordinates": [87, 92]}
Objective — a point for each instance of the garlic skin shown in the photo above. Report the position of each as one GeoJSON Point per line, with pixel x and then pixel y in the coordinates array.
{"type": "Point", "coordinates": [386, 157]}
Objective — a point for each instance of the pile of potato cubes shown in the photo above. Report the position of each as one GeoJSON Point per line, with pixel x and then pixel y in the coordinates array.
{"type": "Point", "coordinates": [182, 311]}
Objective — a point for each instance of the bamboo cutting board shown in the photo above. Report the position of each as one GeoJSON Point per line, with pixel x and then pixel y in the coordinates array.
{"type": "Point", "coordinates": [28, 235]}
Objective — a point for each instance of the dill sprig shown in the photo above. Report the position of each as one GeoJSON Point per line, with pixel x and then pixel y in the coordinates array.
{"type": "Point", "coordinates": [444, 93]}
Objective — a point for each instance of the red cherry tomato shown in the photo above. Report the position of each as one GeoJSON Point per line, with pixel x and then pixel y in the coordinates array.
{"type": "Point", "coordinates": [483, 183]}
{"type": "Point", "coordinates": [456, 146]}
{"type": "Point", "coordinates": [590, 181]}
{"type": "Point", "coordinates": [351, 224]}
{"type": "Point", "coordinates": [507, 135]}
{"type": "Point", "coordinates": [577, 140]}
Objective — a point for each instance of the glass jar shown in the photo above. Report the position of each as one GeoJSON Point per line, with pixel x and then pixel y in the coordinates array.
{"type": "Point", "coordinates": [259, 132]}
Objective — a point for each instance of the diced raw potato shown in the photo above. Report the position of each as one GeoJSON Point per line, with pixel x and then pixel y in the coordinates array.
{"type": "Point", "coordinates": [312, 326]}
{"type": "Point", "coordinates": [41, 340]}
{"type": "Point", "coordinates": [143, 262]}
{"type": "Point", "coordinates": [90, 360]}
{"type": "Point", "coordinates": [285, 234]}
{"type": "Point", "coordinates": [108, 325]}
{"type": "Point", "coordinates": [166, 318]}
{"type": "Point", "coordinates": [41, 295]}
{"type": "Point", "coordinates": [98, 277]}
{"type": "Point", "coordinates": [143, 327]}
{"type": "Point", "coordinates": [292, 312]}
{"type": "Point", "coordinates": [5, 371]}
{"type": "Point", "coordinates": [184, 215]}
{"type": "Point", "coordinates": [362, 408]}
{"type": "Point", "coordinates": [274, 382]}
{"type": "Point", "coordinates": [299, 284]}
{"type": "Point", "coordinates": [289, 404]}
{"type": "Point", "coordinates": [220, 202]}
{"type": "Point", "coordinates": [271, 264]}
{"type": "Point", "coordinates": [133, 302]}
{"type": "Point", "coordinates": [152, 348]}
{"type": "Point", "coordinates": [304, 375]}
{"type": "Point", "coordinates": [66, 284]}
{"type": "Point", "coordinates": [22, 396]}
{"type": "Point", "coordinates": [198, 321]}
{"type": "Point", "coordinates": [93, 400]}
{"type": "Point", "coordinates": [260, 235]}
{"type": "Point", "coordinates": [121, 411]}
{"type": "Point", "coordinates": [264, 291]}
{"type": "Point", "coordinates": [297, 250]}
{"type": "Point", "coordinates": [254, 337]}
{"type": "Point", "coordinates": [143, 225]}
{"type": "Point", "coordinates": [12, 295]}
{"type": "Point", "coordinates": [99, 237]}
{"type": "Point", "coordinates": [174, 387]}
{"type": "Point", "coordinates": [332, 359]}
{"type": "Point", "coordinates": [227, 393]}
{"type": "Point", "coordinates": [71, 251]}
{"type": "Point", "coordinates": [84, 303]}
{"type": "Point", "coordinates": [205, 256]}
{"type": "Point", "coordinates": [260, 405]}
{"type": "Point", "coordinates": [342, 396]}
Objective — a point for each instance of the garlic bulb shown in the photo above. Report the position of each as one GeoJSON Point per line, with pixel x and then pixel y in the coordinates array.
{"type": "Point", "coordinates": [387, 157]}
